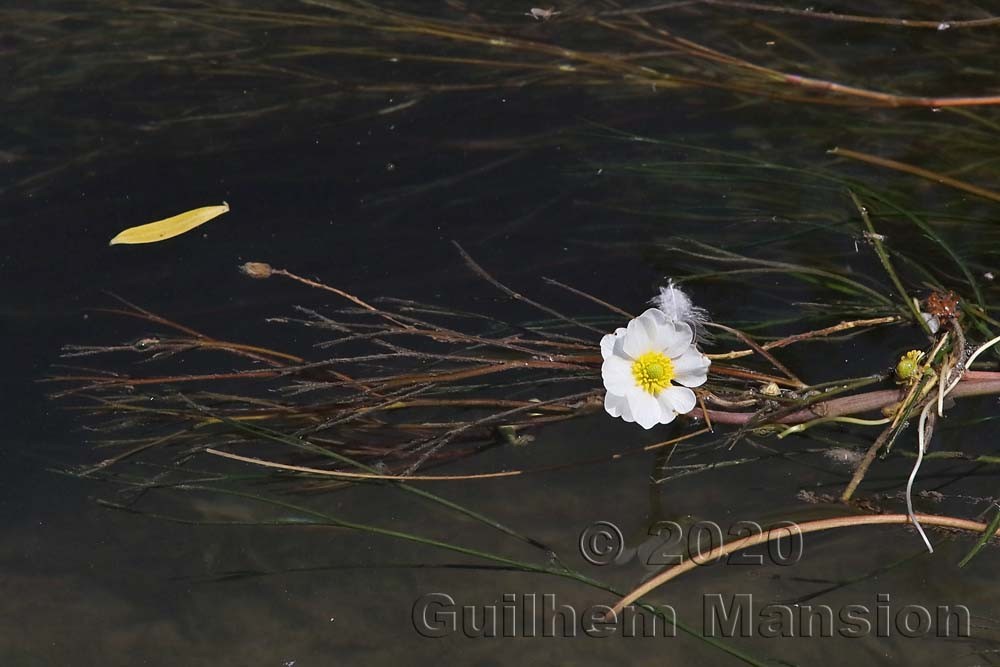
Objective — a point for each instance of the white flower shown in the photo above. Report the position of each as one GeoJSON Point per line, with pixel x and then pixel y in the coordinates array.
{"type": "Point", "coordinates": [677, 306]}
{"type": "Point", "coordinates": [641, 364]}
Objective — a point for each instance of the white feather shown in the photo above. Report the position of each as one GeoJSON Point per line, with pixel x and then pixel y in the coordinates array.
{"type": "Point", "coordinates": [677, 305]}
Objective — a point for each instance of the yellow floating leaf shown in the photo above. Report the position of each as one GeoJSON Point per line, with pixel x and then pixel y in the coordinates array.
{"type": "Point", "coordinates": [170, 227]}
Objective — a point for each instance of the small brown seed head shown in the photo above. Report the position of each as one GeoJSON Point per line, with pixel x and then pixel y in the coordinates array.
{"type": "Point", "coordinates": [258, 270]}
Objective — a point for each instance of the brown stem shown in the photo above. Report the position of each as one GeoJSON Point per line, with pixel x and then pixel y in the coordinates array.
{"type": "Point", "coordinates": [762, 351]}
{"type": "Point", "coordinates": [777, 533]}
{"type": "Point", "coordinates": [916, 171]}
{"type": "Point", "coordinates": [485, 275]}
{"type": "Point", "coordinates": [848, 405]}
{"type": "Point", "coordinates": [852, 18]}
{"type": "Point", "coordinates": [862, 468]}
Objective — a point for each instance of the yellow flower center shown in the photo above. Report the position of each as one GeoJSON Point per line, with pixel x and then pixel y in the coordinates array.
{"type": "Point", "coordinates": [653, 372]}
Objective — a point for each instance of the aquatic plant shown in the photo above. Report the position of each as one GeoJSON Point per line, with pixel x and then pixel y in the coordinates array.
{"type": "Point", "coordinates": [335, 426]}
{"type": "Point", "coordinates": [821, 245]}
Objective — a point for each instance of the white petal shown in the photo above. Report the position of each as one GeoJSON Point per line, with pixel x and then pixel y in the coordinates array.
{"type": "Point", "coordinates": [637, 340]}
{"type": "Point", "coordinates": [659, 327]}
{"type": "Point", "coordinates": [655, 317]}
{"type": "Point", "coordinates": [608, 342]}
{"type": "Point", "coordinates": [677, 399]}
{"type": "Point", "coordinates": [617, 406]}
{"type": "Point", "coordinates": [617, 375]}
{"type": "Point", "coordinates": [675, 338]}
{"type": "Point", "coordinates": [645, 408]}
{"type": "Point", "coordinates": [654, 331]}
{"type": "Point", "coordinates": [691, 368]}
{"type": "Point", "coordinates": [667, 414]}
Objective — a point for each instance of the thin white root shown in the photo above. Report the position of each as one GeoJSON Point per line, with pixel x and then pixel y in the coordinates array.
{"type": "Point", "coordinates": [975, 355]}
{"type": "Point", "coordinates": [922, 431]}
{"type": "Point", "coordinates": [921, 445]}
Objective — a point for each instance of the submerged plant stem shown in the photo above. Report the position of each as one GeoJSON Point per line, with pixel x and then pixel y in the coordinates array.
{"type": "Point", "coordinates": [800, 528]}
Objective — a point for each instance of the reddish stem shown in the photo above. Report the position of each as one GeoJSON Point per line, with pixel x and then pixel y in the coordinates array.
{"type": "Point", "coordinates": [980, 384]}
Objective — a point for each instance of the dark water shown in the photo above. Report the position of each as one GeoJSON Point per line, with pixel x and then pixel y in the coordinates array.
{"type": "Point", "coordinates": [331, 177]}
